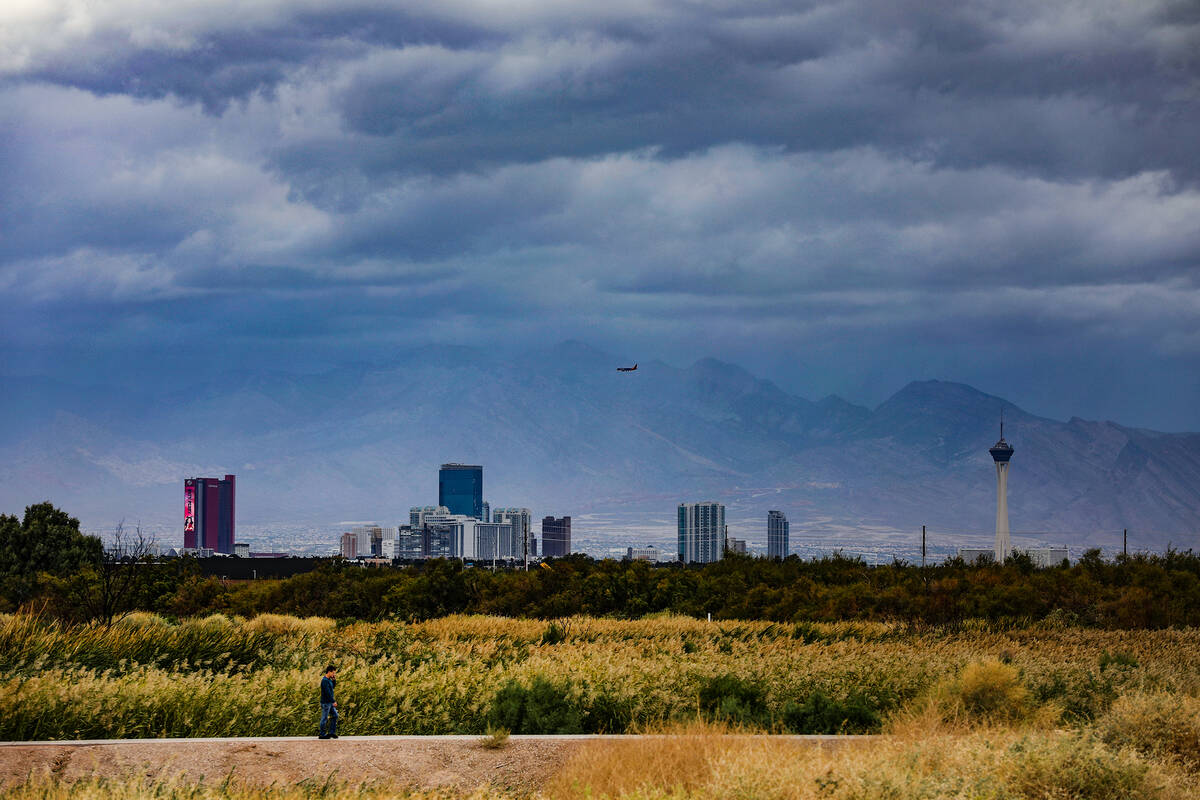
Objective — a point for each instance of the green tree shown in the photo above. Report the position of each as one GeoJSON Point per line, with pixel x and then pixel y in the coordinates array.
{"type": "Point", "coordinates": [110, 588]}
{"type": "Point", "coordinates": [48, 541]}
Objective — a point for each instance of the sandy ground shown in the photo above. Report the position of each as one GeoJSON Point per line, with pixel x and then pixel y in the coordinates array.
{"type": "Point", "coordinates": [522, 765]}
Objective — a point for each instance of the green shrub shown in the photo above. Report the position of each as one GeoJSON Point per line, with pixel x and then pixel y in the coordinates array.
{"type": "Point", "coordinates": [495, 739]}
{"type": "Point", "coordinates": [1117, 659]}
{"type": "Point", "coordinates": [1061, 618]}
{"type": "Point", "coordinates": [821, 714]}
{"type": "Point", "coordinates": [608, 713]}
{"type": "Point", "coordinates": [542, 707]}
{"type": "Point", "coordinates": [1083, 695]}
{"type": "Point", "coordinates": [554, 634]}
{"type": "Point", "coordinates": [732, 699]}
{"type": "Point", "coordinates": [993, 691]}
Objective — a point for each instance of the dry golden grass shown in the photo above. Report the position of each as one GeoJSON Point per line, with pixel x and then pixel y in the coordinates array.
{"type": "Point", "coordinates": [683, 759]}
{"type": "Point", "coordinates": [283, 624]}
{"type": "Point", "coordinates": [705, 762]}
{"type": "Point", "coordinates": [217, 676]}
{"type": "Point", "coordinates": [173, 789]}
{"type": "Point", "coordinates": [985, 694]}
{"type": "Point", "coordinates": [987, 763]}
{"type": "Point", "coordinates": [1164, 725]}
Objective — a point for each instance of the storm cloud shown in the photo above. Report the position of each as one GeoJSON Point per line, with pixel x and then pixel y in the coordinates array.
{"type": "Point", "coordinates": [841, 195]}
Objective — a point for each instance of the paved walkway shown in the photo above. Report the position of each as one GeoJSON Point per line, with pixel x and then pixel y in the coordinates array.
{"type": "Point", "coordinates": [465, 737]}
{"type": "Point", "coordinates": [524, 763]}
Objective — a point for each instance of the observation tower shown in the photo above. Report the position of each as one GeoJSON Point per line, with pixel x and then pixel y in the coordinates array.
{"type": "Point", "coordinates": [1001, 452]}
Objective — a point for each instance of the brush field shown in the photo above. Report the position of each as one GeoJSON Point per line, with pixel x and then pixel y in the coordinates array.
{"type": "Point", "coordinates": [974, 711]}
{"type": "Point", "coordinates": [146, 677]}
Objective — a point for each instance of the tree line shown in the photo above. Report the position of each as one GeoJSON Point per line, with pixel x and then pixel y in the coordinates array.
{"type": "Point", "coordinates": [47, 565]}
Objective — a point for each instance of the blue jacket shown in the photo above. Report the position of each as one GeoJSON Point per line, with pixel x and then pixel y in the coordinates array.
{"type": "Point", "coordinates": [327, 689]}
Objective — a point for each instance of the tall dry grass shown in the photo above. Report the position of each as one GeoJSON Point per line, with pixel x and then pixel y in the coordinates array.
{"type": "Point", "coordinates": [1161, 724]}
{"type": "Point", "coordinates": [711, 762]}
{"type": "Point", "coordinates": [992, 763]}
{"type": "Point", "coordinates": [218, 676]}
{"type": "Point", "coordinates": [178, 789]}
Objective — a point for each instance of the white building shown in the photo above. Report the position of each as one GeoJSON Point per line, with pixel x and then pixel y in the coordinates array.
{"type": "Point", "coordinates": [417, 514]}
{"type": "Point", "coordinates": [1042, 557]}
{"type": "Point", "coordinates": [1048, 556]}
{"type": "Point", "coordinates": [973, 554]}
{"type": "Point", "coordinates": [492, 540]}
{"type": "Point", "coordinates": [647, 553]}
{"type": "Point", "coordinates": [521, 520]}
{"type": "Point", "coordinates": [460, 536]}
{"type": "Point", "coordinates": [701, 532]}
{"type": "Point", "coordinates": [388, 543]}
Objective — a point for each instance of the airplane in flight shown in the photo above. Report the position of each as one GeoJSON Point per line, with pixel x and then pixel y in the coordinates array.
{"type": "Point", "coordinates": [627, 369]}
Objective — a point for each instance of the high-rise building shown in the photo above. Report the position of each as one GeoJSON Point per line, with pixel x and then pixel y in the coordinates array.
{"type": "Point", "coordinates": [701, 536]}
{"type": "Point", "coordinates": [388, 543]}
{"type": "Point", "coordinates": [736, 546]}
{"type": "Point", "coordinates": [521, 520]}
{"type": "Point", "coordinates": [1001, 453]}
{"type": "Point", "coordinates": [460, 489]}
{"type": "Point", "coordinates": [449, 536]}
{"type": "Point", "coordinates": [417, 514]}
{"type": "Point", "coordinates": [777, 535]}
{"type": "Point", "coordinates": [410, 542]}
{"type": "Point", "coordinates": [364, 541]}
{"type": "Point", "coordinates": [556, 537]}
{"type": "Point", "coordinates": [487, 541]}
{"type": "Point", "coordinates": [487, 512]}
{"type": "Point", "coordinates": [209, 518]}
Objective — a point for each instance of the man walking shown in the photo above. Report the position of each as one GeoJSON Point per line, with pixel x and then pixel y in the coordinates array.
{"type": "Point", "coordinates": [329, 712]}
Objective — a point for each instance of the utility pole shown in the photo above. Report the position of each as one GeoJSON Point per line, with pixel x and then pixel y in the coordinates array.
{"type": "Point", "coordinates": [1125, 542]}
{"type": "Point", "coordinates": [922, 547]}
{"type": "Point", "coordinates": [526, 525]}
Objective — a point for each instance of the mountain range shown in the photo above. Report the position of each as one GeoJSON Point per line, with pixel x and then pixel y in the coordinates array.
{"type": "Point", "coordinates": [561, 431]}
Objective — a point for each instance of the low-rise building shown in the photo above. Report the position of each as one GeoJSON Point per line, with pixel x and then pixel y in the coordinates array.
{"type": "Point", "coordinates": [1040, 556]}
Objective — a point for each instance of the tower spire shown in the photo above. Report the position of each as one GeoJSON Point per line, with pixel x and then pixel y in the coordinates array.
{"type": "Point", "coordinates": [1001, 452]}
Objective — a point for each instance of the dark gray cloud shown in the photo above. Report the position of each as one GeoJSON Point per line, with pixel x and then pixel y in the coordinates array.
{"type": "Point", "coordinates": [836, 193]}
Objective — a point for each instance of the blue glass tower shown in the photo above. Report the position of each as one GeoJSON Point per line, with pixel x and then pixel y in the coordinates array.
{"type": "Point", "coordinates": [460, 489]}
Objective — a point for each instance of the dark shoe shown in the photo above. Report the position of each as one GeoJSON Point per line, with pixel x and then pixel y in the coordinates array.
{"type": "Point", "coordinates": [325, 736]}
{"type": "Point", "coordinates": [333, 736]}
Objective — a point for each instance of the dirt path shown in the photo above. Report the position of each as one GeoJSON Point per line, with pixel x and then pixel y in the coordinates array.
{"type": "Point", "coordinates": [522, 765]}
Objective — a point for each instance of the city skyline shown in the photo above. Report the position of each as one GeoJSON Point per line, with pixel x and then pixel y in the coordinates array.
{"type": "Point", "coordinates": [302, 461]}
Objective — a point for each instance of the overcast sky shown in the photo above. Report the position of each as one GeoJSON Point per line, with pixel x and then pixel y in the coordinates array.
{"type": "Point", "coordinates": [840, 196]}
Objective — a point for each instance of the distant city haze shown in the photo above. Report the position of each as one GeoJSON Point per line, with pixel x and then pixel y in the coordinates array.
{"type": "Point", "coordinates": [328, 247]}
{"type": "Point", "coordinates": [560, 432]}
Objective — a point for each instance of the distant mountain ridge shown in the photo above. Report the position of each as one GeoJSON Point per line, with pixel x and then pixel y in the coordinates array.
{"type": "Point", "coordinates": [560, 431]}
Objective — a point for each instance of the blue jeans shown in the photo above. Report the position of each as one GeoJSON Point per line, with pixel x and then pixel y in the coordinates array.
{"type": "Point", "coordinates": [328, 714]}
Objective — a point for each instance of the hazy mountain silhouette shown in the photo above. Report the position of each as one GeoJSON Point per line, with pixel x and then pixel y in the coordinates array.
{"type": "Point", "coordinates": [561, 431]}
